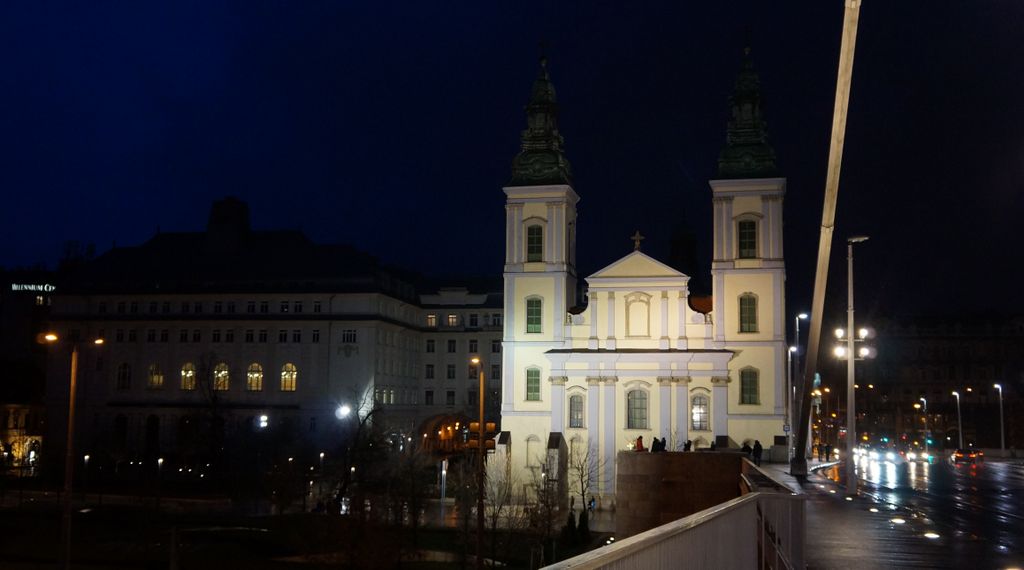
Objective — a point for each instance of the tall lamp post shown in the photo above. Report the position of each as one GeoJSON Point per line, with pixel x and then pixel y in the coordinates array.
{"type": "Point", "coordinates": [927, 436]}
{"type": "Point", "coordinates": [789, 402]}
{"type": "Point", "coordinates": [959, 423]}
{"type": "Point", "coordinates": [1002, 432]}
{"type": "Point", "coordinates": [480, 468]}
{"type": "Point", "coordinates": [69, 458]}
{"type": "Point", "coordinates": [851, 402]}
{"type": "Point", "coordinates": [796, 343]}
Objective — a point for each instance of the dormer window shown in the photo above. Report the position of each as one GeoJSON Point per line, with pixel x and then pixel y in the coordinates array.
{"type": "Point", "coordinates": [747, 238]}
{"type": "Point", "coordinates": [535, 243]}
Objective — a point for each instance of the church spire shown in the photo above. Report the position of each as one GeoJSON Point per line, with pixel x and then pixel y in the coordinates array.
{"type": "Point", "coordinates": [747, 153]}
{"type": "Point", "coordinates": [541, 159]}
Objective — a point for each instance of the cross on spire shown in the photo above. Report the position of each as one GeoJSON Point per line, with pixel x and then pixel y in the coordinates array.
{"type": "Point", "coordinates": [637, 238]}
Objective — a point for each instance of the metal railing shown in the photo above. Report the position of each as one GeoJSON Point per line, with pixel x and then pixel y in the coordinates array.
{"type": "Point", "coordinates": [757, 530]}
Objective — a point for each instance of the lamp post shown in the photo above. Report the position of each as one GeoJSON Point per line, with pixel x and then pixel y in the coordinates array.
{"type": "Point", "coordinates": [789, 401]}
{"type": "Point", "coordinates": [959, 423]}
{"type": "Point", "coordinates": [480, 469]}
{"type": "Point", "coordinates": [851, 404]}
{"type": "Point", "coordinates": [1002, 432]}
{"type": "Point", "coordinates": [159, 476]}
{"type": "Point", "coordinates": [796, 343]}
{"type": "Point", "coordinates": [69, 457]}
{"type": "Point", "coordinates": [926, 434]}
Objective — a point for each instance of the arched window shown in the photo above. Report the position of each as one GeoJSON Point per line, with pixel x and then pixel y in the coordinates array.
{"type": "Point", "coordinates": [636, 409]}
{"type": "Point", "coordinates": [748, 313]}
{"type": "Point", "coordinates": [124, 376]}
{"type": "Point", "coordinates": [155, 379]}
{"type": "Point", "coordinates": [533, 384]}
{"type": "Point", "coordinates": [188, 376]}
{"type": "Point", "coordinates": [254, 378]}
{"type": "Point", "coordinates": [535, 243]}
{"type": "Point", "coordinates": [289, 376]}
{"type": "Point", "coordinates": [221, 377]}
{"type": "Point", "coordinates": [533, 458]}
{"type": "Point", "coordinates": [638, 311]}
{"type": "Point", "coordinates": [749, 390]}
{"type": "Point", "coordinates": [746, 231]}
{"type": "Point", "coordinates": [534, 315]}
{"type": "Point", "coordinates": [699, 413]}
{"type": "Point", "coordinates": [576, 411]}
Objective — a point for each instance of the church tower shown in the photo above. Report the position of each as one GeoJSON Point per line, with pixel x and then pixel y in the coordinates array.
{"type": "Point", "coordinates": [540, 270]}
{"type": "Point", "coordinates": [748, 269]}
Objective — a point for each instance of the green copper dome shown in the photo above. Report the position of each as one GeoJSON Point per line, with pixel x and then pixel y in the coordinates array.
{"type": "Point", "coordinates": [747, 153]}
{"type": "Point", "coordinates": [541, 159]}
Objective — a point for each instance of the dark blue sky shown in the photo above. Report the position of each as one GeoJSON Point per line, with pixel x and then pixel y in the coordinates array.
{"type": "Point", "coordinates": [391, 126]}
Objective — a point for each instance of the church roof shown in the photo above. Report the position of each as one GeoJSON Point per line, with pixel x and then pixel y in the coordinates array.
{"type": "Point", "coordinates": [541, 159]}
{"type": "Point", "coordinates": [747, 153]}
{"type": "Point", "coordinates": [638, 265]}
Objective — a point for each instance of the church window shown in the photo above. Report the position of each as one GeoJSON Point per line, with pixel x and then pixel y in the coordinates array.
{"type": "Point", "coordinates": [576, 411]}
{"type": "Point", "coordinates": [533, 315]}
{"type": "Point", "coordinates": [638, 308]}
{"type": "Point", "coordinates": [636, 409]}
{"type": "Point", "coordinates": [155, 379]}
{"type": "Point", "coordinates": [532, 451]}
{"type": "Point", "coordinates": [747, 230]}
{"type": "Point", "coordinates": [432, 321]}
{"type": "Point", "coordinates": [699, 413]}
{"type": "Point", "coordinates": [749, 391]}
{"type": "Point", "coordinates": [124, 376]}
{"type": "Point", "coordinates": [748, 313]}
{"type": "Point", "coordinates": [533, 384]}
{"type": "Point", "coordinates": [535, 243]}
{"type": "Point", "coordinates": [289, 377]}
{"type": "Point", "coordinates": [221, 377]}
{"type": "Point", "coordinates": [188, 377]}
{"type": "Point", "coordinates": [254, 378]}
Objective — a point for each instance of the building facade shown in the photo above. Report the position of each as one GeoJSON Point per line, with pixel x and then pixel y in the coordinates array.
{"type": "Point", "coordinates": [639, 360]}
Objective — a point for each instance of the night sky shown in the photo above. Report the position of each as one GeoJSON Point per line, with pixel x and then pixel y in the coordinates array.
{"type": "Point", "coordinates": [391, 127]}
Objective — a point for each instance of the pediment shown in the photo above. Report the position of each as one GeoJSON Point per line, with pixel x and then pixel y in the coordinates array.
{"type": "Point", "coordinates": [638, 265]}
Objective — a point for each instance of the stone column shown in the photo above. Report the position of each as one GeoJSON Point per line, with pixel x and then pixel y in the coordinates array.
{"type": "Point", "coordinates": [720, 405]}
{"type": "Point", "coordinates": [557, 403]}
{"type": "Point", "coordinates": [682, 411]}
{"type": "Point", "coordinates": [593, 414]}
{"type": "Point", "coordinates": [592, 343]}
{"type": "Point", "coordinates": [610, 337]}
{"type": "Point", "coordinates": [665, 408]}
{"type": "Point", "coordinates": [609, 422]}
{"type": "Point", "coordinates": [517, 231]}
{"type": "Point", "coordinates": [681, 321]}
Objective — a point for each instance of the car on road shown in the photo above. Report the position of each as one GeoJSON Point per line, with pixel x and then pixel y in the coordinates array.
{"type": "Point", "coordinates": [973, 456]}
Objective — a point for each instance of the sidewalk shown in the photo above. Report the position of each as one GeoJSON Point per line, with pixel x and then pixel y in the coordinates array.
{"type": "Point", "coordinates": [860, 532]}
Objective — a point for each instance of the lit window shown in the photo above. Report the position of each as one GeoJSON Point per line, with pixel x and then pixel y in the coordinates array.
{"type": "Point", "coordinates": [535, 243]}
{"type": "Point", "coordinates": [533, 315]}
{"type": "Point", "coordinates": [155, 379]}
{"type": "Point", "coordinates": [636, 409]}
{"type": "Point", "coordinates": [699, 413]}
{"type": "Point", "coordinates": [533, 384]}
{"type": "Point", "coordinates": [453, 320]}
{"type": "Point", "coordinates": [221, 377]}
{"type": "Point", "coordinates": [254, 378]}
{"type": "Point", "coordinates": [289, 377]}
{"type": "Point", "coordinates": [749, 393]}
{"type": "Point", "coordinates": [124, 376]}
{"type": "Point", "coordinates": [576, 411]}
{"type": "Point", "coordinates": [748, 313]}
{"type": "Point", "coordinates": [747, 230]}
{"type": "Point", "coordinates": [188, 376]}
{"type": "Point", "coordinates": [432, 321]}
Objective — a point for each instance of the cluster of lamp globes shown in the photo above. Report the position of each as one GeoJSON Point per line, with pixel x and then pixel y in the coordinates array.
{"type": "Point", "coordinates": [863, 351]}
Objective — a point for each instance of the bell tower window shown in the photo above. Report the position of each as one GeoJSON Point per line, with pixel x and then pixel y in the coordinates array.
{"type": "Point", "coordinates": [747, 239]}
{"type": "Point", "coordinates": [535, 243]}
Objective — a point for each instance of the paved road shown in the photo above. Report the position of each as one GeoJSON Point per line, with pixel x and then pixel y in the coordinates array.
{"type": "Point", "coordinates": [919, 515]}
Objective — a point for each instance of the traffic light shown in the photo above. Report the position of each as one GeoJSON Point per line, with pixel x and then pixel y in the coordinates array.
{"type": "Point", "coordinates": [490, 428]}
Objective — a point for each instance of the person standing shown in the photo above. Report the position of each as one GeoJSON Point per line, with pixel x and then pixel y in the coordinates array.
{"type": "Point", "coordinates": [757, 452]}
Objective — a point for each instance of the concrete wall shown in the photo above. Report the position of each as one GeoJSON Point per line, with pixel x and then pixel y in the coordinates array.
{"type": "Point", "coordinates": [657, 488]}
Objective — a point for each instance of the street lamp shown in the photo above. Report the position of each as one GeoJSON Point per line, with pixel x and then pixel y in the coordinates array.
{"type": "Point", "coordinates": [851, 405]}
{"type": "Point", "coordinates": [796, 343]}
{"type": "Point", "coordinates": [69, 459]}
{"type": "Point", "coordinates": [959, 423]}
{"type": "Point", "coordinates": [927, 436]}
{"type": "Point", "coordinates": [789, 400]}
{"type": "Point", "coordinates": [480, 469]}
{"type": "Point", "coordinates": [1002, 432]}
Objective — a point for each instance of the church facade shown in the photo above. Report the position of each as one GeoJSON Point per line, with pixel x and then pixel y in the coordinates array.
{"type": "Point", "coordinates": [642, 359]}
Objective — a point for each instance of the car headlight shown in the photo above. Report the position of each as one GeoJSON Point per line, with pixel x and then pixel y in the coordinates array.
{"type": "Point", "coordinates": [890, 456]}
{"type": "Point", "coordinates": [912, 456]}
{"type": "Point", "coordinates": [873, 455]}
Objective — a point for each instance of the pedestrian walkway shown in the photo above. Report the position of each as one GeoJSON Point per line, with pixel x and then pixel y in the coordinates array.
{"type": "Point", "coordinates": [860, 531]}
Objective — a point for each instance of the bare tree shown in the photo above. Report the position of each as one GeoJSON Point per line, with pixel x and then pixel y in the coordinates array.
{"type": "Point", "coordinates": [505, 498]}
{"type": "Point", "coordinates": [585, 468]}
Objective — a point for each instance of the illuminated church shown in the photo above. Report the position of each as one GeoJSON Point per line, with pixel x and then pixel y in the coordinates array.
{"type": "Point", "coordinates": [638, 356]}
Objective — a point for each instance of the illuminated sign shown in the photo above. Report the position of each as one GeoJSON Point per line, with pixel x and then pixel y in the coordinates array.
{"type": "Point", "coordinates": [44, 287]}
